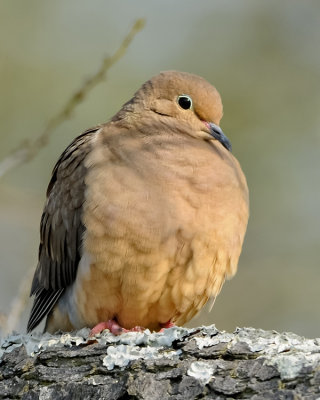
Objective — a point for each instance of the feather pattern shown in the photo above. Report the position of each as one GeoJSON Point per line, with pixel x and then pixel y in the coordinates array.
{"type": "Point", "coordinates": [61, 229]}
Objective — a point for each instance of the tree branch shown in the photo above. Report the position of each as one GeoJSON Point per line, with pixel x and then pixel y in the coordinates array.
{"type": "Point", "coordinates": [176, 364]}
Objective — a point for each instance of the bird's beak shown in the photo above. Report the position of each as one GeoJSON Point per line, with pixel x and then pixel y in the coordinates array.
{"type": "Point", "coordinates": [217, 133]}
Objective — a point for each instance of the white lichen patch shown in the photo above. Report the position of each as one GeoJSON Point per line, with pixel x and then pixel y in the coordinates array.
{"type": "Point", "coordinates": [273, 343]}
{"type": "Point", "coordinates": [121, 355]}
{"type": "Point", "coordinates": [37, 342]}
{"type": "Point", "coordinates": [201, 370]}
{"type": "Point", "coordinates": [287, 352]}
{"type": "Point", "coordinates": [208, 341]}
{"type": "Point", "coordinates": [165, 338]}
{"type": "Point", "coordinates": [290, 365]}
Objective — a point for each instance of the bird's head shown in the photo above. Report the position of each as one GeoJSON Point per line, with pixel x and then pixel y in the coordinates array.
{"type": "Point", "coordinates": [182, 100]}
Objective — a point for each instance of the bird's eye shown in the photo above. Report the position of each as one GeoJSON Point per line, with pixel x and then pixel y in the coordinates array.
{"type": "Point", "coordinates": [185, 102]}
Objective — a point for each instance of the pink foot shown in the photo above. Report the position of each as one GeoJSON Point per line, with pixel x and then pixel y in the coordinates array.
{"type": "Point", "coordinates": [166, 325]}
{"type": "Point", "coordinates": [113, 327]}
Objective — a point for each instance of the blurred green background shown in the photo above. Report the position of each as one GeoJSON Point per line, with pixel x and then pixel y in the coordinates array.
{"type": "Point", "coordinates": [264, 58]}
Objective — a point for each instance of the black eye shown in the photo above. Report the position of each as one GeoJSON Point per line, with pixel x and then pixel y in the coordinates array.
{"type": "Point", "coordinates": [185, 102]}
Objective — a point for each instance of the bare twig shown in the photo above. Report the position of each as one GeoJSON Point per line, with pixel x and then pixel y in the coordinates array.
{"type": "Point", "coordinates": [27, 150]}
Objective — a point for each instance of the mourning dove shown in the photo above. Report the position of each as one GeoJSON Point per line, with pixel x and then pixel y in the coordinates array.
{"type": "Point", "coordinates": [145, 215]}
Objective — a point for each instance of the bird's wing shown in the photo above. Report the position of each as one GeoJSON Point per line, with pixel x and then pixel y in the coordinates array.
{"type": "Point", "coordinates": [61, 229]}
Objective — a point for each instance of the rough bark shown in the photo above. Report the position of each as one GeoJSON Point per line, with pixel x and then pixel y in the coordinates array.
{"type": "Point", "coordinates": [177, 364]}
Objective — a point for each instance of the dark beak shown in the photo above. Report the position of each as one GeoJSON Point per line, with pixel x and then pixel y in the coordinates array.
{"type": "Point", "coordinates": [217, 133]}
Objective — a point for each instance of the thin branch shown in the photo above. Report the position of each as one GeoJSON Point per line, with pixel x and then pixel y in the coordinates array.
{"type": "Point", "coordinates": [28, 149]}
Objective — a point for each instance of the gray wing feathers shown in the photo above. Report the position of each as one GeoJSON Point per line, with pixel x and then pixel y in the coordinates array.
{"type": "Point", "coordinates": [61, 229]}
